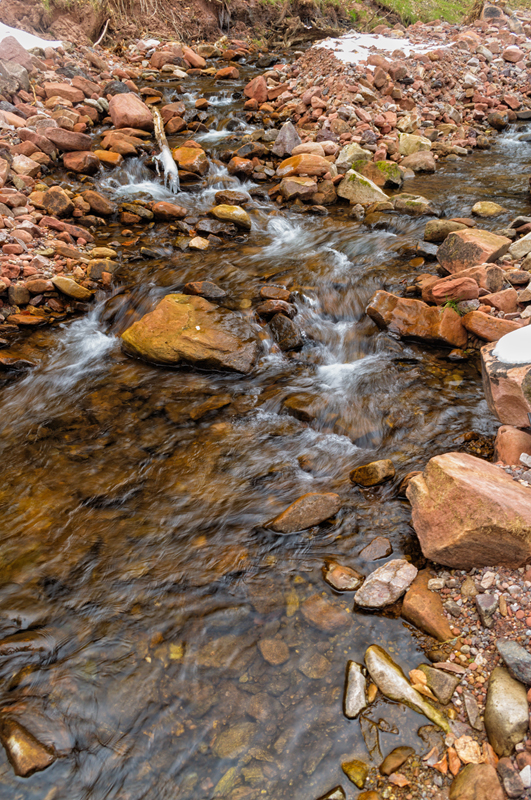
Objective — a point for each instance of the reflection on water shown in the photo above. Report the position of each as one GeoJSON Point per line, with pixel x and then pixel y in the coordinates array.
{"type": "Point", "coordinates": [163, 650]}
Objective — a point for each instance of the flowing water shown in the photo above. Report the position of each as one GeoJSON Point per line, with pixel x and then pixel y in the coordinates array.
{"type": "Point", "coordinates": [136, 568]}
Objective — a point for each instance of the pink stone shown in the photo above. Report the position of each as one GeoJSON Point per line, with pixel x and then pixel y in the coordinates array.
{"type": "Point", "coordinates": [510, 443]}
{"type": "Point", "coordinates": [506, 301]}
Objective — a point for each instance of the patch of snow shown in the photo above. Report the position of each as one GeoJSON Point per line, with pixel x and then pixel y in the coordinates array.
{"type": "Point", "coordinates": [355, 47]}
{"type": "Point", "coordinates": [514, 347]}
{"type": "Point", "coordinates": [27, 40]}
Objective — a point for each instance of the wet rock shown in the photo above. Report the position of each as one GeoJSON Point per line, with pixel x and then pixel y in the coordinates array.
{"type": "Point", "coordinates": [506, 712]}
{"type": "Point", "coordinates": [304, 164]}
{"type": "Point", "coordinates": [325, 615]}
{"type": "Point", "coordinates": [487, 209]}
{"type": "Point", "coordinates": [424, 609]}
{"type": "Point", "coordinates": [298, 188]}
{"type": "Point", "coordinates": [380, 547]}
{"type": "Point", "coordinates": [413, 204]}
{"type": "Point", "coordinates": [234, 214]}
{"type": "Point", "coordinates": [395, 759]}
{"type": "Point", "coordinates": [413, 318]}
{"type": "Point", "coordinates": [187, 328]}
{"type": "Point", "coordinates": [486, 327]}
{"type": "Point", "coordinates": [287, 139]}
{"type": "Point", "coordinates": [517, 660]}
{"type": "Point", "coordinates": [392, 682]}
{"type": "Point", "coordinates": [315, 667]}
{"type": "Point", "coordinates": [487, 605]}
{"type": "Point", "coordinates": [356, 188]}
{"type": "Point", "coordinates": [386, 584]}
{"type": "Point", "coordinates": [441, 683]}
{"type": "Point", "coordinates": [463, 249]}
{"type": "Point", "coordinates": [285, 333]}
{"type": "Point", "coordinates": [340, 578]}
{"type": "Point", "coordinates": [269, 308]}
{"type": "Point", "coordinates": [356, 771]}
{"type": "Point", "coordinates": [57, 203]}
{"type": "Point", "coordinates": [257, 89]}
{"type": "Point", "coordinates": [205, 289]}
{"type": "Point", "coordinates": [83, 162]}
{"type": "Point", "coordinates": [309, 510]}
{"type": "Point", "coordinates": [191, 159]}
{"type": "Point", "coordinates": [68, 140]}
{"type": "Point", "coordinates": [521, 248]}
{"type": "Point", "coordinates": [129, 111]}
{"type": "Point", "coordinates": [454, 289]}
{"type": "Point", "coordinates": [235, 740]}
{"type": "Point", "coordinates": [476, 782]}
{"type": "Point", "coordinates": [274, 651]}
{"type": "Point", "coordinates": [468, 513]}
{"type": "Point", "coordinates": [230, 197]}
{"type": "Point", "coordinates": [507, 388]}
{"type": "Point", "coordinates": [25, 753]}
{"type": "Point", "coordinates": [166, 212]}
{"type": "Point", "coordinates": [374, 473]}
{"type": "Point", "coordinates": [421, 161]}
{"type": "Point", "coordinates": [355, 696]}
{"type": "Point", "coordinates": [437, 230]}
{"type": "Point", "coordinates": [71, 288]}
{"type": "Point", "coordinates": [98, 203]}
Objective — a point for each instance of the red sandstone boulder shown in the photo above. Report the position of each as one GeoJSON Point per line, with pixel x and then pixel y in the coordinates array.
{"type": "Point", "coordinates": [167, 211]}
{"type": "Point", "coordinates": [414, 319]}
{"type": "Point", "coordinates": [68, 140]}
{"type": "Point", "coordinates": [83, 162]}
{"type": "Point", "coordinates": [64, 90]}
{"type": "Point", "coordinates": [304, 164]}
{"type": "Point", "coordinates": [486, 327]}
{"type": "Point", "coordinates": [257, 89]}
{"type": "Point", "coordinates": [129, 111]}
{"type": "Point", "coordinates": [506, 301]}
{"type": "Point", "coordinates": [455, 289]}
{"type": "Point", "coordinates": [507, 388]}
{"type": "Point", "coordinates": [510, 443]}
{"type": "Point", "coordinates": [468, 513]}
{"type": "Point", "coordinates": [467, 248]}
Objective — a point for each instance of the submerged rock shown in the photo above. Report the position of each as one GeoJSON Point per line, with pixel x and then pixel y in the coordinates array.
{"type": "Point", "coordinates": [506, 712]}
{"type": "Point", "coordinates": [325, 615]}
{"type": "Point", "coordinates": [392, 683]}
{"type": "Point", "coordinates": [235, 740]}
{"type": "Point", "coordinates": [355, 697]}
{"type": "Point", "coordinates": [395, 759]}
{"type": "Point", "coordinates": [337, 793]}
{"type": "Point", "coordinates": [307, 511]}
{"type": "Point", "coordinates": [189, 328]}
{"type": "Point", "coordinates": [468, 513]}
{"type": "Point", "coordinates": [386, 584]}
{"type": "Point", "coordinates": [25, 753]}
{"type": "Point", "coordinates": [374, 473]}
{"type": "Point", "coordinates": [340, 578]}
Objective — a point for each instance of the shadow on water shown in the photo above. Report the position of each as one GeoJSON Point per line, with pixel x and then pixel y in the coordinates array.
{"type": "Point", "coordinates": [136, 568]}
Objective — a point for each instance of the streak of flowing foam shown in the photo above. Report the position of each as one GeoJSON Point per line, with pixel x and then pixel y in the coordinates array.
{"type": "Point", "coordinates": [212, 136]}
{"type": "Point", "coordinates": [134, 179]}
{"type": "Point", "coordinates": [512, 137]}
{"type": "Point", "coordinates": [79, 356]}
{"type": "Point", "coordinates": [354, 47]}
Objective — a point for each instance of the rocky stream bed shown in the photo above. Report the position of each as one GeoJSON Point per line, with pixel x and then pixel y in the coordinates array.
{"type": "Point", "coordinates": [263, 535]}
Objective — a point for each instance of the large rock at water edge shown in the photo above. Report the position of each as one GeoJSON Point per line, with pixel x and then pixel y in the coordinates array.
{"type": "Point", "coordinates": [468, 513]}
{"type": "Point", "coordinates": [467, 248]}
{"type": "Point", "coordinates": [129, 111]}
{"type": "Point", "coordinates": [414, 319]}
{"type": "Point", "coordinates": [386, 584]}
{"type": "Point", "coordinates": [187, 328]}
{"type": "Point", "coordinates": [358, 189]}
{"type": "Point", "coordinates": [393, 684]}
{"type": "Point", "coordinates": [306, 511]}
{"type": "Point", "coordinates": [506, 712]}
{"type": "Point", "coordinates": [507, 387]}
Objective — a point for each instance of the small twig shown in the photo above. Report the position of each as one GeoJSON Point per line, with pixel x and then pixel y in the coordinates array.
{"type": "Point", "coordinates": [103, 34]}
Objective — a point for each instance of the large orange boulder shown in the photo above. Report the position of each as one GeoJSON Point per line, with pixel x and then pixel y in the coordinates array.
{"type": "Point", "coordinates": [304, 164]}
{"type": "Point", "coordinates": [454, 289]}
{"type": "Point", "coordinates": [468, 513]}
{"type": "Point", "coordinates": [467, 248]}
{"type": "Point", "coordinates": [414, 319]}
{"type": "Point", "coordinates": [507, 388]}
{"type": "Point", "coordinates": [129, 111]}
{"type": "Point", "coordinates": [190, 329]}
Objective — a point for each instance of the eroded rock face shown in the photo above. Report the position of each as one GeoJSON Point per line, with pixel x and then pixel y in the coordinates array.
{"type": "Point", "coordinates": [187, 328]}
{"type": "Point", "coordinates": [415, 319]}
{"type": "Point", "coordinates": [469, 513]}
{"type": "Point", "coordinates": [506, 712]}
{"type": "Point", "coordinates": [507, 388]}
{"type": "Point", "coordinates": [467, 248]}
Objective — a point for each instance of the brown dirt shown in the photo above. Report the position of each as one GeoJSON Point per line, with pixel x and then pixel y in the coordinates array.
{"type": "Point", "coordinates": [82, 21]}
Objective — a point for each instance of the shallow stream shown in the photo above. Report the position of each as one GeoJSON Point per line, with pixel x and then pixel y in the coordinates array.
{"type": "Point", "coordinates": [133, 551]}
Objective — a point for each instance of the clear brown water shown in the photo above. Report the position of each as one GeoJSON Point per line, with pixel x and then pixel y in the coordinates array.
{"type": "Point", "coordinates": [133, 556]}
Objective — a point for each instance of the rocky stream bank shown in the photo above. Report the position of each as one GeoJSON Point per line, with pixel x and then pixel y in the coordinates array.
{"type": "Point", "coordinates": [128, 207]}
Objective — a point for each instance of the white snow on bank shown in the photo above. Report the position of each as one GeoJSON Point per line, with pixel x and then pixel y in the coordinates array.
{"type": "Point", "coordinates": [514, 347]}
{"type": "Point", "coordinates": [355, 47]}
{"type": "Point", "coordinates": [27, 40]}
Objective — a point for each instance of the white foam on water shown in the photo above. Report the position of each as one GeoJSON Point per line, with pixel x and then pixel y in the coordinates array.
{"type": "Point", "coordinates": [27, 40]}
{"type": "Point", "coordinates": [514, 347]}
{"type": "Point", "coordinates": [355, 47]}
